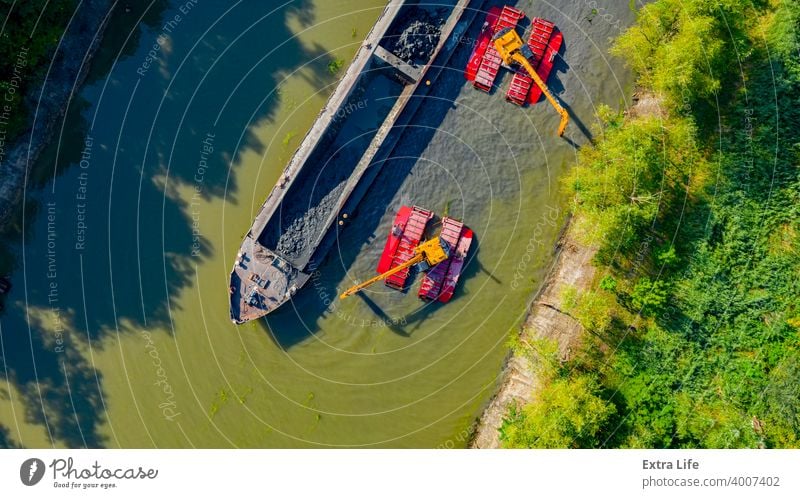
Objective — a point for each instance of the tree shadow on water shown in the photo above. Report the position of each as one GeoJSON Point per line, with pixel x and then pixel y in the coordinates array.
{"type": "Point", "coordinates": [139, 241]}
{"type": "Point", "coordinates": [58, 388]}
{"type": "Point", "coordinates": [6, 442]}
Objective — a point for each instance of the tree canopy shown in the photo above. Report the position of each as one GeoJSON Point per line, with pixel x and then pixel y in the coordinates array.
{"type": "Point", "coordinates": [695, 210]}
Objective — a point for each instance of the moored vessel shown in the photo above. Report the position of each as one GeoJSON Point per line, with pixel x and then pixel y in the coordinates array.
{"type": "Point", "coordinates": [490, 63]}
{"type": "Point", "coordinates": [484, 64]}
{"type": "Point", "coordinates": [482, 43]}
{"type": "Point", "coordinates": [545, 55]}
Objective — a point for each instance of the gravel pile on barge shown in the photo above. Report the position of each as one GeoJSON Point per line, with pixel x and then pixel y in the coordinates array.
{"type": "Point", "coordinates": [315, 194]}
{"type": "Point", "coordinates": [422, 30]}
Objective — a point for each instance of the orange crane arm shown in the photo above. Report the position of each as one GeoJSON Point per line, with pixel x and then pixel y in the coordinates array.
{"type": "Point", "coordinates": [521, 60]}
{"type": "Point", "coordinates": [511, 49]}
{"type": "Point", "coordinates": [411, 262]}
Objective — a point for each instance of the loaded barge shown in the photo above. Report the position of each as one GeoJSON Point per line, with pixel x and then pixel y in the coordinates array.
{"type": "Point", "coordinates": [342, 152]}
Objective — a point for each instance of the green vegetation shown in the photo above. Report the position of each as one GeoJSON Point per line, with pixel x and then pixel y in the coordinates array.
{"type": "Point", "coordinates": [25, 51]}
{"type": "Point", "coordinates": [570, 414]}
{"type": "Point", "coordinates": [446, 208]}
{"type": "Point", "coordinates": [220, 399]}
{"type": "Point", "coordinates": [288, 138]}
{"type": "Point", "coordinates": [335, 66]}
{"type": "Point", "coordinates": [242, 398]}
{"type": "Point", "coordinates": [694, 323]}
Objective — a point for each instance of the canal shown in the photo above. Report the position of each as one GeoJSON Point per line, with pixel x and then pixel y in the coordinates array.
{"type": "Point", "coordinates": [117, 333]}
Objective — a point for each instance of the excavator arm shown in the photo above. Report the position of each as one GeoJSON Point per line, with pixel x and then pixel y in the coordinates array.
{"type": "Point", "coordinates": [411, 262]}
{"type": "Point", "coordinates": [522, 61]}
{"type": "Point", "coordinates": [511, 49]}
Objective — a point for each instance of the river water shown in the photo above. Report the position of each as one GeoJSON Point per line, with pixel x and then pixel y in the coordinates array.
{"type": "Point", "coordinates": [117, 332]}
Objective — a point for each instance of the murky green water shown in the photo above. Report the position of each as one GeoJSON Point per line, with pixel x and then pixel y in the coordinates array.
{"type": "Point", "coordinates": [117, 330]}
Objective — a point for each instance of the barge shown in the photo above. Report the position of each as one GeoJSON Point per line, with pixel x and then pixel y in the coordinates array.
{"type": "Point", "coordinates": [409, 227]}
{"type": "Point", "coordinates": [482, 43]}
{"type": "Point", "coordinates": [545, 41]}
{"type": "Point", "coordinates": [339, 156]}
{"type": "Point", "coordinates": [489, 61]}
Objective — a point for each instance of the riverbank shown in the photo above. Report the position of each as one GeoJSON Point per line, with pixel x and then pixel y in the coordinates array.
{"type": "Point", "coordinates": [572, 269]}
{"type": "Point", "coordinates": [50, 99]}
{"type": "Point", "coordinates": [700, 256]}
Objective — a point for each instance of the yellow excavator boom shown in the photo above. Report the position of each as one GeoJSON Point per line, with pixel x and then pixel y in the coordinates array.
{"type": "Point", "coordinates": [430, 252]}
{"type": "Point", "coordinates": [352, 290]}
{"type": "Point", "coordinates": [511, 49]}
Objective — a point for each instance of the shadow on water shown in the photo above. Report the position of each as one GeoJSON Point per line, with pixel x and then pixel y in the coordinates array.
{"type": "Point", "coordinates": [473, 266]}
{"type": "Point", "coordinates": [141, 248]}
{"type": "Point", "coordinates": [64, 384]}
{"type": "Point", "coordinates": [390, 322]}
{"type": "Point", "coordinates": [577, 121]}
{"type": "Point", "coordinates": [6, 442]}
